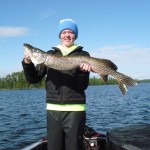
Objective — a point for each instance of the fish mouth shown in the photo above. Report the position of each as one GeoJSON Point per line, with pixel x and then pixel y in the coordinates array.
{"type": "Point", "coordinates": [34, 53]}
{"type": "Point", "coordinates": [28, 46]}
{"type": "Point", "coordinates": [25, 44]}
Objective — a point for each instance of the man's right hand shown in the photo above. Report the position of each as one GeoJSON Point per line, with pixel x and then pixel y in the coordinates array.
{"type": "Point", "coordinates": [27, 58]}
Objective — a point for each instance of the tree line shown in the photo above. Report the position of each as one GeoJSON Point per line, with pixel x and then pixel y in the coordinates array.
{"type": "Point", "coordinates": [17, 80]}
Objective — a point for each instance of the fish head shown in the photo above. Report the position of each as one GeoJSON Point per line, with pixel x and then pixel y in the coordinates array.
{"type": "Point", "coordinates": [37, 55]}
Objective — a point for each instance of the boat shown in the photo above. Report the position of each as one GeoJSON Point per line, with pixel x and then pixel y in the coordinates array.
{"type": "Point", "coordinates": [92, 141]}
{"type": "Point", "coordinates": [132, 137]}
{"type": "Point", "coordinates": [39, 145]}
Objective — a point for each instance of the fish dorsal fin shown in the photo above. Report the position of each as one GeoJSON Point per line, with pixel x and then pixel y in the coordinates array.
{"type": "Point", "coordinates": [110, 64]}
{"type": "Point", "coordinates": [104, 77]}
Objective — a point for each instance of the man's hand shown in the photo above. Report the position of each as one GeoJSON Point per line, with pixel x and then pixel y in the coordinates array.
{"type": "Point", "coordinates": [85, 67]}
{"type": "Point", "coordinates": [27, 58]}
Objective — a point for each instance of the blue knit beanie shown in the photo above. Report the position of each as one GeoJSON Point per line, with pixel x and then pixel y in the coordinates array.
{"type": "Point", "coordinates": [68, 24]}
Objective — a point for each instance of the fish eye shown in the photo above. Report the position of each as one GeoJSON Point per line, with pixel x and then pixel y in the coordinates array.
{"type": "Point", "coordinates": [33, 50]}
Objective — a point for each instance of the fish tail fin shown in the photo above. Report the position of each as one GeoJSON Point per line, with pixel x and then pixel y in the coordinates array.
{"type": "Point", "coordinates": [124, 82]}
{"type": "Point", "coordinates": [123, 87]}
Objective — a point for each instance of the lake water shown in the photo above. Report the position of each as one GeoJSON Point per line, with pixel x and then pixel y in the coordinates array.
{"type": "Point", "coordinates": [23, 113]}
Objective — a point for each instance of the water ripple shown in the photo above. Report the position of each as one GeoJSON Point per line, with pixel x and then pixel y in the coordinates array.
{"type": "Point", "coordinates": [23, 114]}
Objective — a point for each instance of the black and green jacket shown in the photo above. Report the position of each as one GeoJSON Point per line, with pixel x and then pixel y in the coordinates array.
{"type": "Point", "coordinates": [62, 87]}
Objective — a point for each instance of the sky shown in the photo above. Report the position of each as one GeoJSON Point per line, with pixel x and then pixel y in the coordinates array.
{"type": "Point", "coordinates": [118, 30]}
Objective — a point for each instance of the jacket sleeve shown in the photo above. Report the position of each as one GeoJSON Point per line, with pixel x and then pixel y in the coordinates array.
{"type": "Point", "coordinates": [32, 74]}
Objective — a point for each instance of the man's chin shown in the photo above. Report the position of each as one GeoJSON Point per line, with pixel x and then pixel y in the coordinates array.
{"type": "Point", "coordinates": [68, 44]}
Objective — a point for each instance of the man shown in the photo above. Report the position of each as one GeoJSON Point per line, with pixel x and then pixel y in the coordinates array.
{"type": "Point", "coordinates": [65, 92]}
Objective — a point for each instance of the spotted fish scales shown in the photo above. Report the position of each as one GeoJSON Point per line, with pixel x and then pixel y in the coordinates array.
{"type": "Point", "coordinates": [103, 67]}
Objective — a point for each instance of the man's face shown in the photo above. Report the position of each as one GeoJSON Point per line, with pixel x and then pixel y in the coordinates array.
{"type": "Point", "coordinates": [67, 37]}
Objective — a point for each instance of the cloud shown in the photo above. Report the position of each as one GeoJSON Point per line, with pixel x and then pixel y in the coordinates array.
{"type": "Point", "coordinates": [8, 31]}
{"type": "Point", "coordinates": [130, 59]}
{"type": "Point", "coordinates": [124, 53]}
{"type": "Point", "coordinates": [46, 14]}
{"type": "Point", "coordinates": [117, 47]}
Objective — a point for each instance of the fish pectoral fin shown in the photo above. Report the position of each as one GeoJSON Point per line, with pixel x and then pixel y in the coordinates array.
{"type": "Point", "coordinates": [104, 77]}
{"type": "Point", "coordinates": [40, 68]}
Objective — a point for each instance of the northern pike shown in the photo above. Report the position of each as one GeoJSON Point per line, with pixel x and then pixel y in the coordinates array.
{"type": "Point", "coordinates": [103, 67]}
